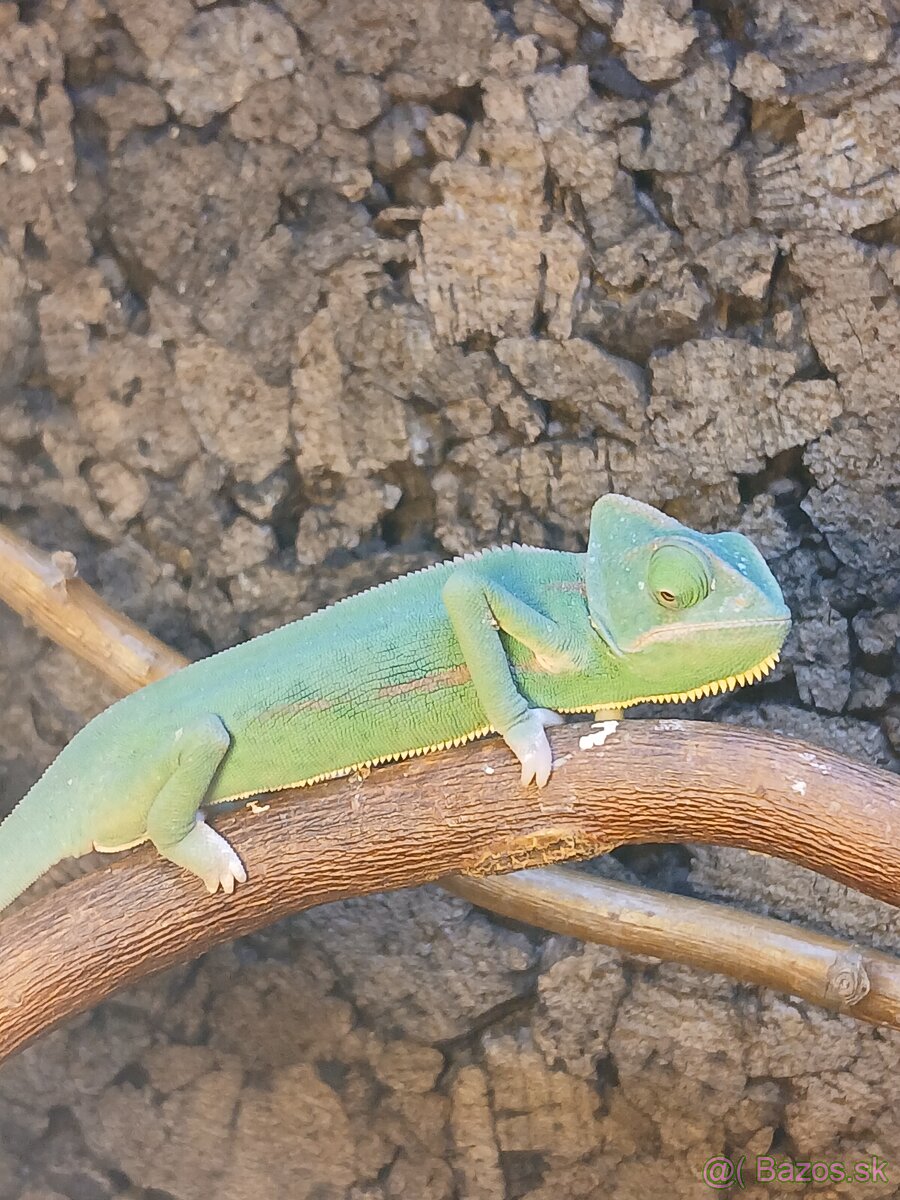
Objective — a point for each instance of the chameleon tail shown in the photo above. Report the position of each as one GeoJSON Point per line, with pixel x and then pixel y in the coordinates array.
{"type": "Point", "coordinates": [37, 834]}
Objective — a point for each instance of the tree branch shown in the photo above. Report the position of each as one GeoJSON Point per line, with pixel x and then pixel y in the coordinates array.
{"type": "Point", "coordinates": [758, 950]}
{"type": "Point", "coordinates": [464, 811]}
{"type": "Point", "coordinates": [44, 589]}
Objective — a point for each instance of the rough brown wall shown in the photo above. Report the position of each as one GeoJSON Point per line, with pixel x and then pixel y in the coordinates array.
{"type": "Point", "coordinates": [297, 296]}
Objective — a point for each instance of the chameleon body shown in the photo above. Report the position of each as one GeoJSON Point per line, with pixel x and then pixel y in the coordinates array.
{"type": "Point", "coordinates": [498, 641]}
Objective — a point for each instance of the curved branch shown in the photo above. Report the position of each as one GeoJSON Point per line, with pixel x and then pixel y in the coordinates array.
{"type": "Point", "coordinates": [425, 819]}
{"type": "Point", "coordinates": [460, 811]}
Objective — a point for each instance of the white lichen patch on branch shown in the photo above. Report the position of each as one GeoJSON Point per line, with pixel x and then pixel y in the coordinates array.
{"type": "Point", "coordinates": [603, 731]}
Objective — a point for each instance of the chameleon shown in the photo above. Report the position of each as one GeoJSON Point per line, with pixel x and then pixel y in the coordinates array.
{"type": "Point", "coordinates": [502, 640]}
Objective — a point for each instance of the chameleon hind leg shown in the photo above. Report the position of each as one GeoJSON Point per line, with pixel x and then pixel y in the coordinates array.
{"type": "Point", "coordinates": [175, 826]}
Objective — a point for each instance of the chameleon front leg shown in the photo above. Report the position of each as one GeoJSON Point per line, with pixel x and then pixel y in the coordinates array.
{"type": "Point", "coordinates": [478, 610]}
{"type": "Point", "coordinates": [175, 826]}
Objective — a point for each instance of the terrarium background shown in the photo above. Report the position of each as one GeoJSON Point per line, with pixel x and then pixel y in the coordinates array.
{"type": "Point", "coordinates": [295, 297]}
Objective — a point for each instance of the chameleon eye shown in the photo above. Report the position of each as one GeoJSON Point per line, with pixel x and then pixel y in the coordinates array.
{"type": "Point", "coordinates": [677, 576]}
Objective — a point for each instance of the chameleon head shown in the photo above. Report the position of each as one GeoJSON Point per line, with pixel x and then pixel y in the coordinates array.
{"type": "Point", "coordinates": [685, 613]}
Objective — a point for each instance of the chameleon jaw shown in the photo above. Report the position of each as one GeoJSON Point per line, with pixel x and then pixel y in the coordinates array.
{"type": "Point", "coordinates": [713, 688]}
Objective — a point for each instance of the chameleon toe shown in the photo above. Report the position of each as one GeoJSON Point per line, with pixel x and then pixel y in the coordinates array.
{"type": "Point", "coordinates": [529, 743]}
{"type": "Point", "coordinates": [206, 853]}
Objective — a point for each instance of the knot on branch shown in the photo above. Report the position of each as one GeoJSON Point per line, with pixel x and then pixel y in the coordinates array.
{"type": "Point", "coordinates": [847, 981]}
{"type": "Point", "coordinates": [65, 564]}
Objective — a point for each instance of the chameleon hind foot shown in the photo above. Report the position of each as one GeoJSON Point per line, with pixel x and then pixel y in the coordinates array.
{"type": "Point", "coordinates": [207, 855]}
{"type": "Point", "coordinates": [529, 744]}
{"type": "Point", "coordinates": [174, 824]}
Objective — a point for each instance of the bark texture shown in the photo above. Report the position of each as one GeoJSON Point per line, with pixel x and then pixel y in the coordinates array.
{"type": "Point", "coordinates": [295, 297]}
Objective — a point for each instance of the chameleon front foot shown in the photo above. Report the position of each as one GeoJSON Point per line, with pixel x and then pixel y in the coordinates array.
{"type": "Point", "coordinates": [529, 744]}
{"type": "Point", "coordinates": [207, 855]}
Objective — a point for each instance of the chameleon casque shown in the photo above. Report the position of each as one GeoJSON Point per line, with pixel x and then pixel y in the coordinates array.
{"type": "Point", "coordinates": [498, 641]}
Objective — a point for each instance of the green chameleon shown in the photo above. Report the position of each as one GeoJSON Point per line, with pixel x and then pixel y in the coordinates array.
{"type": "Point", "coordinates": [499, 641]}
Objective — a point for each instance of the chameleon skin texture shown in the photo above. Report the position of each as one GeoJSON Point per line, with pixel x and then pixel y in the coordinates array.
{"type": "Point", "coordinates": [485, 643]}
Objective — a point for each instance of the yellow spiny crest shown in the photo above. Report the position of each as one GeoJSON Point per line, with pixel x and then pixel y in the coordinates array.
{"type": "Point", "coordinates": [364, 766]}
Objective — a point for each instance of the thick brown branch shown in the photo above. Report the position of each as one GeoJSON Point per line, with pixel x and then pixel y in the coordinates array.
{"type": "Point", "coordinates": [426, 819]}
{"type": "Point", "coordinates": [464, 811]}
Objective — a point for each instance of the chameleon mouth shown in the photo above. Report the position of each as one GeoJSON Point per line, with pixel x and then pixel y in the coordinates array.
{"type": "Point", "coordinates": [727, 684]}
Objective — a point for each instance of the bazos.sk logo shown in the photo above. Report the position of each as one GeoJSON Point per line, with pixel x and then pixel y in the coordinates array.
{"type": "Point", "coordinates": [720, 1171]}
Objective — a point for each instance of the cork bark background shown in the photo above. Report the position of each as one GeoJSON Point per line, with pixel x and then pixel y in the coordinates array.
{"type": "Point", "coordinates": [297, 296]}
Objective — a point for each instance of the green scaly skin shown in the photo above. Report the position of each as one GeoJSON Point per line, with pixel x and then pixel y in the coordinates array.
{"type": "Point", "coordinates": [500, 641]}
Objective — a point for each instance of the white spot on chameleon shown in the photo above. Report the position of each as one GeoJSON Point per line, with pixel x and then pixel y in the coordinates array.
{"type": "Point", "coordinates": [593, 741]}
{"type": "Point", "coordinates": [799, 787]}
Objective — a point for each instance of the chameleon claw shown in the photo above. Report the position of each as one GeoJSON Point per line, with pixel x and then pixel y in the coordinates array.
{"type": "Point", "coordinates": [537, 764]}
{"type": "Point", "coordinates": [210, 857]}
{"type": "Point", "coordinates": [231, 870]}
{"type": "Point", "coordinates": [529, 743]}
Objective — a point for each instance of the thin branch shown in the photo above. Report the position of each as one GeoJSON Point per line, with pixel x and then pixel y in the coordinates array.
{"type": "Point", "coordinates": [825, 970]}
{"type": "Point", "coordinates": [44, 589]}
{"type": "Point", "coordinates": [463, 811]}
